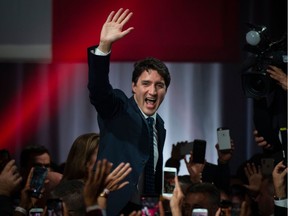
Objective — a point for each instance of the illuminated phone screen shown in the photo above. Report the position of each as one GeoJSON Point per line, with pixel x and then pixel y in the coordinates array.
{"type": "Point", "coordinates": [169, 181]}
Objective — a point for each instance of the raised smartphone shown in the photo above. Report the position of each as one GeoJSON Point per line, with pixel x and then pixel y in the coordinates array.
{"type": "Point", "coordinates": [168, 185]}
{"type": "Point", "coordinates": [267, 166]}
{"type": "Point", "coordinates": [199, 212]}
{"type": "Point", "coordinates": [224, 141]}
{"type": "Point", "coordinates": [186, 148]}
{"type": "Point", "coordinates": [37, 181]}
{"type": "Point", "coordinates": [199, 151]}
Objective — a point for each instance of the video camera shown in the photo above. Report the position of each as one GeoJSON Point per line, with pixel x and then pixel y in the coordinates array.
{"type": "Point", "coordinates": [256, 82]}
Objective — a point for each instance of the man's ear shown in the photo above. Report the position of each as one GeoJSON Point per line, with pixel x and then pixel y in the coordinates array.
{"type": "Point", "coordinates": [133, 87]}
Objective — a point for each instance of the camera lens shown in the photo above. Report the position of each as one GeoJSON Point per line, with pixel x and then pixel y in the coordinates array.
{"type": "Point", "coordinates": [257, 84]}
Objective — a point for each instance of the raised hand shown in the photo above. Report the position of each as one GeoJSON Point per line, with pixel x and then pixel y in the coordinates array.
{"type": "Point", "coordinates": [278, 75]}
{"type": "Point", "coordinates": [279, 173]}
{"type": "Point", "coordinates": [254, 176]}
{"type": "Point", "coordinates": [10, 179]}
{"type": "Point", "coordinates": [95, 183]}
{"type": "Point", "coordinates": [225, 156]}
{"type": "Point", "coordinates": [112, 29]}
{"type": "Point", "coordinates": [26, 200]}
{"type": "Point", "coordinates": [114, 179]}
{"type": "Point", "coordinates": [176, 199]}
{"type": "Point", "coordinates": [261, 142]}
{"type": "Point", "coordinates": [194, 169]}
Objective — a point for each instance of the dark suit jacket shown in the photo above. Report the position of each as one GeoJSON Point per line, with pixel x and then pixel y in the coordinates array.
{"type": "Point", "coordinates": [123, 131]}
{"type": "Point", "coordinates": [280, 211]}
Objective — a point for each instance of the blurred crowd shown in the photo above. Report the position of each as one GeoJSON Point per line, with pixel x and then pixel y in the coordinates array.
{"type": "Point", "coordinates": [82, 185]}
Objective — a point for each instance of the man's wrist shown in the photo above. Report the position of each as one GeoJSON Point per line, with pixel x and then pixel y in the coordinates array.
{"type": "Point", "coordinates": [280, 197]}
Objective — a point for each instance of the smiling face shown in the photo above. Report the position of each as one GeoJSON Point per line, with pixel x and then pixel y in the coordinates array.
{"type": "Point", "coordinates": [149, 91]}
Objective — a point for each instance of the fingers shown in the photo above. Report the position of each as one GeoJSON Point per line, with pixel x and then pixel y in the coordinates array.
{"type": "Point", "coordinates": [109, 18]}
{"type": "Point", "coordinates": [116, 16]}
{"type": "Point", "coordinates": [9, 166]}
{"type": "Point", "coordinates": [120, 186]}
{"type": "Point", "coordinates": [118, 174]}
{"type": "Point", "coordinates": [27, 185]}
{"type": "Point", "coordinates": [250, 168]}
{"type": "Point", "coordinates": [120, 17]}
{"type": "Point", "coordinates": [121, 171]}
{"type": "Point", "coordinates": [124, 17]}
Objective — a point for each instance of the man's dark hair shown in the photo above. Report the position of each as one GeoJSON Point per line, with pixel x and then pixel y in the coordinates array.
{"type": "Point", "coordinates": [31, 151]}
{"type": "Point", "coordinates": [154, 64]}
{"type": "Point", "coordinates": [71, 193]}
{"type": "Point", "coordinates": [208, 189]}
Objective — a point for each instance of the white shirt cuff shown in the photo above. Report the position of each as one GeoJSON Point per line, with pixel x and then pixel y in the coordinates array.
{"type": "Point", "coordinates": [281, 203]}
{"type": "Point", "coordinates": [94, 207]}
{"type": "Point", "coordinates": [99, 52]}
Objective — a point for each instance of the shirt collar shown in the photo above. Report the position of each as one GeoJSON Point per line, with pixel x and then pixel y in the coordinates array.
{"type": "Point", "coordinates": [153, 116]}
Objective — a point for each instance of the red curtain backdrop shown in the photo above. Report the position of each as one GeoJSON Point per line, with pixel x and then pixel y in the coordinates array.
{"type": "Point", "coordinates": [177, 31]}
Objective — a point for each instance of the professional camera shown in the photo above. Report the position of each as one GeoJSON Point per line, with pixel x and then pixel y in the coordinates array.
{"type": "Point", "coordinates": [256, 82]}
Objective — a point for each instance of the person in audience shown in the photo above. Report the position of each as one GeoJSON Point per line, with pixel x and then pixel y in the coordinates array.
{"type": "Point", "coordinates": [123, 122]}
{"type": "Point", "coordinates": [280, 189]}
{"type": "Point", "coordinates": [265, 197]}
{"type": "Point", "coordinates": [82, 152]}
{"type": "Point", "coordinates": [26, 200]}
{"type": "Point", "coordinates": [33, 155]}
{"type": "Point", "coordinates": [217, 174]}
{"type": "Point", "coordinates": [38, 155]}
{"type": "Point", "coordinates": [270, 115]}
{"type": "Point", "coordinates": [237, 196]}
{"type": "Point", "coordinates": [202, 195]}
{"type": "Point", "coordinates": [71, 194]}
{"type": "Point", "coordinates": [100, 183]}
{"type": "Point", "coordinates": [261, 191]}
{"type": "Point", "coordinates": [10, 182]}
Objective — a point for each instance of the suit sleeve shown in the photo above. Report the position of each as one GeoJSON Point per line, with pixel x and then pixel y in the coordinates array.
{"type": "Point", "coordinates": [101, 93]}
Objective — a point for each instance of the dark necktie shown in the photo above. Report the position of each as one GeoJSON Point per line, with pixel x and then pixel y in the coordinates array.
{"type": "Point", "coordinates": [149, 177]}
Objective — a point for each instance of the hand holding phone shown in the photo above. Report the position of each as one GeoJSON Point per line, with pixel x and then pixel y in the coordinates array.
{"type": "Point", "coordinates": [37, 181]}
{"type": "Point", "coordinates": [168, 185]}
{"type": "Point", "coordinates": [224, 141]}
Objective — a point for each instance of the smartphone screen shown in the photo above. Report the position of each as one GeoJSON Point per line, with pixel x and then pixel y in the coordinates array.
{"type": "Point", "coordinates": [224, 141]}
{"type": "Point", "coordinates": [199, 151]}
{"type": "Point", "coordinates": [4, 158]}
{"type": "Point", "coordinates": [199, 212]}
{"type": "Point", "coordinates": [150, 205]}
{"type": "Point", "coordinates": [37, 181]}
{"type": "Point", "coordinates": [169, 174]}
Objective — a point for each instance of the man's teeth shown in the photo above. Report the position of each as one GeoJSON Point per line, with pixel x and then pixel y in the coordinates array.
{"type": "Point", "coordinates": [150, 100]}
